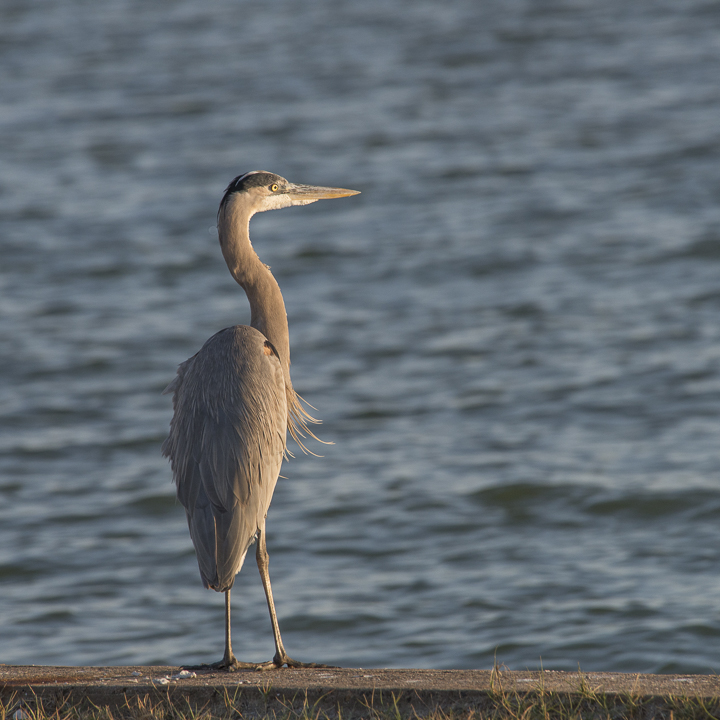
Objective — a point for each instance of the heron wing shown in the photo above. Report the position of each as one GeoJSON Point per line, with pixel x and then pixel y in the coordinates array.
{"type": "Point", "coordinates": [226, 445]}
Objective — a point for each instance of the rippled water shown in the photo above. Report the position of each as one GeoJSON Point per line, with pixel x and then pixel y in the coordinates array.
{"type": "Point", "coordinates": [512, 335]}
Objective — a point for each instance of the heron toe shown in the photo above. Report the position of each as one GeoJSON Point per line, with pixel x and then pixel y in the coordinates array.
{"type": "Point", "coordinates": [233, 665]}
{"type": "Point", "coordinates": [277, 663]}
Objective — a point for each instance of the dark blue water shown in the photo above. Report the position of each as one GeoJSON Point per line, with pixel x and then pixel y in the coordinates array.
{"type": "Point", "coordinates": [512, 335]}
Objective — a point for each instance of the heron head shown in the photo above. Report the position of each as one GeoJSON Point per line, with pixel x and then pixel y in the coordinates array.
{"type": "Point", "coordinates": [267, 191]}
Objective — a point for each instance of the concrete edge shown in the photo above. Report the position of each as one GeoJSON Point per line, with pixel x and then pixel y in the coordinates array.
{"type": "Point", "coordinates": [341, 691]}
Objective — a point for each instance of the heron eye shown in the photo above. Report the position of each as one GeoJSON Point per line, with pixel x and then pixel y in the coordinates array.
{"type": "Point", "coordinates": [274, 188]}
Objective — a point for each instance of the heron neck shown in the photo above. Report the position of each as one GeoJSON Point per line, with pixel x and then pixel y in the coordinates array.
{"type": "Point", "coordinates": [267, 308]}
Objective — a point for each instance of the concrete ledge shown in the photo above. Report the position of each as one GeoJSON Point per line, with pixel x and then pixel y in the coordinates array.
{"type": "Point", "coordinates": [351, 692]}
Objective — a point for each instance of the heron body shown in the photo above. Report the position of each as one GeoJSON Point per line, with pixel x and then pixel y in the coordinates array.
{"type": "Point", "coordinates": [233, 404]}
{"type": "Point", "coordinates": [230, 464]}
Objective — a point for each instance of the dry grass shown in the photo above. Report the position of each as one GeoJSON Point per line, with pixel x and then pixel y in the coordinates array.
{"type": "Point", "coordinates": [497, 704]}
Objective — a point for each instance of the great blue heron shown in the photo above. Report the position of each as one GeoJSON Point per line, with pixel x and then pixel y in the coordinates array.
{"type": "Point", "coordinates": [233, 404]}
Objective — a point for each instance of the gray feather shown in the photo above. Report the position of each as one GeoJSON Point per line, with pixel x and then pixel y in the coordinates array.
{"type": "Point", "coordinates": [226, 446]}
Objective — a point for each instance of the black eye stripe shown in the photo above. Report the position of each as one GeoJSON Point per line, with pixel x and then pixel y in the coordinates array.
{"type": "Point", "coordinates": [255, 178]}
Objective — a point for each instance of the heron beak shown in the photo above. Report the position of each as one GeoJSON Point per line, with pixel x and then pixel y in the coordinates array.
{"type": "Point", "coordinates": [310, 193]}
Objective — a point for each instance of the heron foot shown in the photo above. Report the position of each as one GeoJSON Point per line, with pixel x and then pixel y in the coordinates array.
{"type": "Point", "coordinates": [226, 664]}
{"type": "Point", "coordinates": [233, 665]}
{"type": "Point", "coordinates": [281, 661]}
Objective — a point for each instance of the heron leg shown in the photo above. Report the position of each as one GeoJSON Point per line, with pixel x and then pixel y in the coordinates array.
{"type": "Point", "coordinates": [228, 658]}
{"type": "Point", "coordinates": [281, 658]}
{"type": "Point", "coordinates": [229, 661]}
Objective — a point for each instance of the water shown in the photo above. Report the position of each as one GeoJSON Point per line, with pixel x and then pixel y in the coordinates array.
{"type": "Point", "coordinates": [511, 335]}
